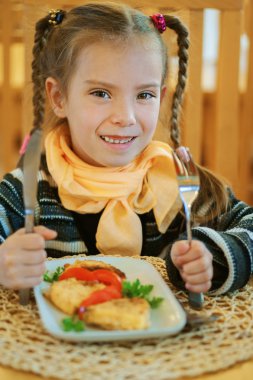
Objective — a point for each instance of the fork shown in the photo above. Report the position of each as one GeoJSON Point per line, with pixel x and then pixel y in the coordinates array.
{"type": "Point", "coordinates": [188, 183]}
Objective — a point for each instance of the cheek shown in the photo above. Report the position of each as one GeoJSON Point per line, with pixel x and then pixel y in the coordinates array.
{"type": "Point", "coordinates": [150, 119]}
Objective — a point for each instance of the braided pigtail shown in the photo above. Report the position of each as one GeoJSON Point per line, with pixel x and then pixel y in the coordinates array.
{"type": "Point", "coordinates": [183, 45]}
{"type": "Point", "coordinates": [43, 29]}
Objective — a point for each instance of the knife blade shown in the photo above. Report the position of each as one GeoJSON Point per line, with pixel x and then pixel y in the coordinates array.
{"type": "Point", "coordinates": [30, 184]}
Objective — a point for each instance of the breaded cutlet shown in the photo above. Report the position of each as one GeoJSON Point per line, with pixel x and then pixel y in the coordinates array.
{"type": "Point", "coordinates": [119, 314]}
{"type": "Point", "coordinates": [68, 294]}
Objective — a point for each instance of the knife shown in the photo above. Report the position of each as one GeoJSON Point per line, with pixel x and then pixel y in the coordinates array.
{"type": "Point", "coordinates": [31, 165]}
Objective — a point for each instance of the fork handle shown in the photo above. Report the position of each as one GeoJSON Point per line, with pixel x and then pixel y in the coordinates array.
{"type": "Point", "coordinates": [189, 231]}
{"type": "Point", "coordinates": [196, 300]}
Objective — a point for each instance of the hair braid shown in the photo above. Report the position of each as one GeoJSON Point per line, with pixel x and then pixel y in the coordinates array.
{"type": "Point", "coordinates": [40, 38]}
{"type": "Point", "coordinates": [183, 45]}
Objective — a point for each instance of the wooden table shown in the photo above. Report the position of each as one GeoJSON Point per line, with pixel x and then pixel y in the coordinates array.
{"type": "Point", "coordinates": [241, 371]}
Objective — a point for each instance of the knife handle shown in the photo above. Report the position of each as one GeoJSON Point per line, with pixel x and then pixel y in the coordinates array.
{"type": "Point", "coordinates": [29, 220]}
{"type": "Point", "coordinates": [24, 294]}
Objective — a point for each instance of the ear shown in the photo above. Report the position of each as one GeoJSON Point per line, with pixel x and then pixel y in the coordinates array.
{"type": "Point", "coordinates": [163, 93]}
{"type": "Point", "coordinates": [55, 97]}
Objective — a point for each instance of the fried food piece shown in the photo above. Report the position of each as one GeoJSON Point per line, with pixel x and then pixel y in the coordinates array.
{"type": "Point", "coordinates": [93, 265]}
{"type": "Point", "coordinates": [68, 294]}
{"type": "Point", "coordinates": [119, 314]}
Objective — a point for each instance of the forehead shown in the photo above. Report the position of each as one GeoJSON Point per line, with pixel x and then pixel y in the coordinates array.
{"type": "Point", "coordinates": [112, 58]}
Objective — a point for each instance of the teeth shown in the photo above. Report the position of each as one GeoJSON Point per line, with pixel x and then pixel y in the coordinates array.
{"type": "Point", "coordinates": [116, 141]}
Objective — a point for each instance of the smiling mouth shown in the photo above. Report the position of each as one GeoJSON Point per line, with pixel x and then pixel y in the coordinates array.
{"type": "Point", "coordinates": [117, 139]}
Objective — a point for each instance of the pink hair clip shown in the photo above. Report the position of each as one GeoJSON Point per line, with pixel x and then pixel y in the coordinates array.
{"type": "Point", "coordinates": [159, 22]}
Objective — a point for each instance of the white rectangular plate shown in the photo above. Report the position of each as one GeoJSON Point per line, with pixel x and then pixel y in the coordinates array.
{"type": "Point", "coordinates": [168, 319]}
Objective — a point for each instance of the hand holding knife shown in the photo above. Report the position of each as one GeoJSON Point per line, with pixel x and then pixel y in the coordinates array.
{"type": "Point", "coordinates": [30, 184]}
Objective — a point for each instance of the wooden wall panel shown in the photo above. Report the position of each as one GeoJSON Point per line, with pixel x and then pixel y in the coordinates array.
{"type": "Point", "coordinates": [8, 109]}
{"type": "Point", "coordinates": [163, 4]}
{"type": "Point", "coordinates": [226, 132]}
{"type": "Point", "coordinates": [192, 131]}
{"type": "Point", "coordinates": [246, 120]}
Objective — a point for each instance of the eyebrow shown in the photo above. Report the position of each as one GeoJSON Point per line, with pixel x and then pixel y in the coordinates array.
{"type": "Point", "coordinates": [106, 84]}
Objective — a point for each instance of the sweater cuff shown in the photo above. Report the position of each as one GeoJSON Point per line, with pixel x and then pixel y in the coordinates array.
{"type": "Point", "coordinates": [228, 252]}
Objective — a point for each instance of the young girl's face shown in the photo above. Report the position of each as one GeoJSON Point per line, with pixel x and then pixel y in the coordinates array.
{"type": "Point", "coordinates": [113, 100]}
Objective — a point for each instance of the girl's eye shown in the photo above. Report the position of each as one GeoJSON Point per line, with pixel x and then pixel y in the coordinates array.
{"type": "Point", "coordinates": [101, 94]}
{"type": "Point", "coordinates": [146, 95]}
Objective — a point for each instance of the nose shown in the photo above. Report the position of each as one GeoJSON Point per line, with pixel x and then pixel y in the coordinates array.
{"type": "Point", "coordinates": [123, 114]}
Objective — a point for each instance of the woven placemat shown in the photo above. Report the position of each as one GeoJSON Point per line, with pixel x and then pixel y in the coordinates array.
{"type": "Point", "coordinates": [25, 345]}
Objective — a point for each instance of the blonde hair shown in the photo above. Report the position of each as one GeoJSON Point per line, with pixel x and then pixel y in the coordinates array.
{"type": "Point", "coordinates": [56, 48]}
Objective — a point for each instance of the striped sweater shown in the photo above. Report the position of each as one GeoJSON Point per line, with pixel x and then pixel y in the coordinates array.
{"type": "Point", "coordinates": [229, 238]}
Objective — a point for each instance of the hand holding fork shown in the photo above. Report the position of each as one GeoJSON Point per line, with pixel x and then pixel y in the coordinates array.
{"type": "Point", "coordinates": [188, 182]}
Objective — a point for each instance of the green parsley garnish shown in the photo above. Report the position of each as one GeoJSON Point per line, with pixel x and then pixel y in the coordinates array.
{"type": "Point", "coordinates": [73, 324]}
{"type": "Point", "coordinates": [51, 277]}
{"type": "Point", "coordinates": [136, 289]}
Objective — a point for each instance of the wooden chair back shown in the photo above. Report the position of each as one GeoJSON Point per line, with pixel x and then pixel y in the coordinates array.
{"type": "Point", "coordinates": [11, 27]}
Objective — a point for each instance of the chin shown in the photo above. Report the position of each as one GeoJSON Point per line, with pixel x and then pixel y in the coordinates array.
{"type": "Point", "coordinates": [117, 163]}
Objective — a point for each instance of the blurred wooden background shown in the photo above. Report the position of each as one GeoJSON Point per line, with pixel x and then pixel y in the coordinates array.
{"type": "Point", "coordinates": [217, 122]}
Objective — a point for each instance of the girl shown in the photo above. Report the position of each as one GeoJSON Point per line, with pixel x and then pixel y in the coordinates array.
{"type": "Point", "coordinates": [104, 185]}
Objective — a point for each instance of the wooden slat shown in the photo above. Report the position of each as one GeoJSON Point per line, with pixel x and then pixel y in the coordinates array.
{"type": "Point", "coordinates": [227, 98]}
{"type": "Point", "coordinates": [246, 130]}
{"type": "Point", "coordinates": [6, 114]}
{"type": "Point", "coordinates": [172, 4]}
{"type": "Point", "coordinates": [192, 133]}
{"type": "Point", "coordinates": [10, 97]}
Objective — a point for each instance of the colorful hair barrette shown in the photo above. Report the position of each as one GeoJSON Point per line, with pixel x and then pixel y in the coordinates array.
{"type": "Point", "coordinates": [56, 16]}
{"type": "Point", "coordinates": [159, 22]}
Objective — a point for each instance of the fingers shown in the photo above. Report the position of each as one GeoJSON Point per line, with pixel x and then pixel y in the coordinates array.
{"type": "Point", "coordinates": [29, 242]}
{"type": "Point", "coordinates": [199, 277]}
{"type": "Point", "coordinates": [44, 232]}
{"type": "Point", "coordinates": [194, 264]}
{"type": "Point", "coordinates": [197, 250]}
{"type": "Point", "coordinates": [34, 241]}
{"type": "Point", "coordinates": [32, 270]}
{"type": "Point", "coordinates": [19, 276]}
{"type": "Point", "coordinates": [179, 249]}
{"type": "Point", "coordinates": [22, 258]}
{"type": "Point", "coordinates": [198, 262]}
{"type": "Point", "coordinates": [24, 283]}
{"type": "Point", "coordinates": [200, 282]}
{"type": "Point", "coordinates": [22, 268]}
{"type": "Point", "coordinates": [199, 288]}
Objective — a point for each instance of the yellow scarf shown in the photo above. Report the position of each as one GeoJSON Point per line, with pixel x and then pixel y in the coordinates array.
{"type": "Point", "coordinates": [148, 182]}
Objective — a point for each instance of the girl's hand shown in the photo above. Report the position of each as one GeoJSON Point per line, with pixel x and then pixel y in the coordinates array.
{"type": "Point", "coordinates": [22, 258]}
{"type": "Point", "coordinates": [194, 264]}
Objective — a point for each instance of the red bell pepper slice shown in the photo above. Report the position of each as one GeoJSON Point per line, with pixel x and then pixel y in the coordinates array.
{"type": "Point", "coordinates": [78, 273]}
{"type": "Point", "coordinates": [104, 276]}
{"type": "Point", "coordinates": [99, 296]}
{"type": "Point", "coordinates": [108, 277]}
